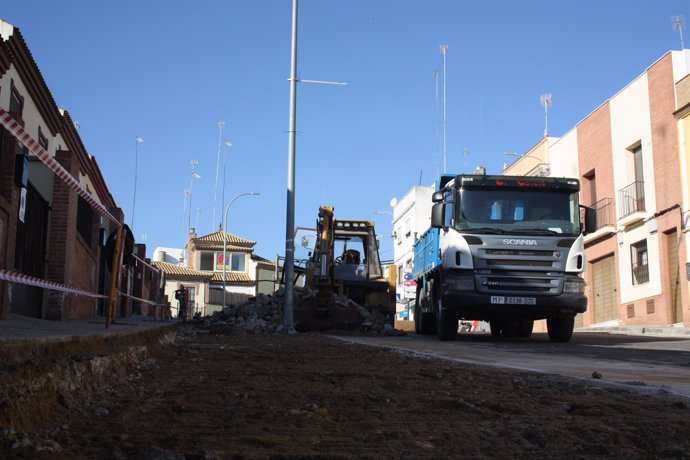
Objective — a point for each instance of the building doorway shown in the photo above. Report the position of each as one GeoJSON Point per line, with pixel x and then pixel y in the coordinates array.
{"type": "Point", "coordinates": [604, 290]}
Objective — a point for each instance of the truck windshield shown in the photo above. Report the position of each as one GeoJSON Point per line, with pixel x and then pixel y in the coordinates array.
{"type": "Point", "coordinates": [490, 211]}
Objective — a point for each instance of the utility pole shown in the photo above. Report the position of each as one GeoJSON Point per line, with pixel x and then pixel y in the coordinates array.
{"type": "Point", "coordinates": [289, 264]}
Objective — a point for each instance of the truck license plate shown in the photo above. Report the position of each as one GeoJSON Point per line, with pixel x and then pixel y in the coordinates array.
{"type": "Point", "coordinates": [513, 300]}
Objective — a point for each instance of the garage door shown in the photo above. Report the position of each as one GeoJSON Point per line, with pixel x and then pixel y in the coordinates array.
{"type": "Point", "coordinates": [605, 292]}
{"type": "Point", "coordinates": [674, 276]}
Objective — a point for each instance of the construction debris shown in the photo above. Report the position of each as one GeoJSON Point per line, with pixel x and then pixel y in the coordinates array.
{"type": "Point", "coordinates": [264, 314]}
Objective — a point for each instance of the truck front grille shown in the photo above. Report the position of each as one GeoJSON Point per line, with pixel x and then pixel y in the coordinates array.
{"type": "Point", "coordinates": [517, 271]}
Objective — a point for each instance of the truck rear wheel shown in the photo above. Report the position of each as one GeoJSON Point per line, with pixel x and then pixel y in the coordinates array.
{"type": "Point", "coordinates": [446, 323]}
{"type": "Point", "coordinates": [423, 322]}
{"type": "Point", "coordinates": [560, 329]}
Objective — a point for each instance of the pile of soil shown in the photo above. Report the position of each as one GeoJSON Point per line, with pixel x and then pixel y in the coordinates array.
{"type": "Point", "coordinates": [214, 392]}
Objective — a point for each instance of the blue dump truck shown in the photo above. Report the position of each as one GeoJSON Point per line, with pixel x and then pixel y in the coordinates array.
{"type": "Point", "coordinates": [507, 250]}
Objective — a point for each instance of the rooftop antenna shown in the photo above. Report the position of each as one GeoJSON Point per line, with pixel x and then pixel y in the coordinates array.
{"type": "Point", "coordinates": [221, 125]}
{"type": "Point", "coordinates": [444, 50]}
{"type": "Point", "coordinates": [466, 154]}
{"type": "Point", "coordinates": [438, 161]}
{"type": "Point", "coordinates": [546, 101]}
{"type": "Point", "coordinates": [678, 23]}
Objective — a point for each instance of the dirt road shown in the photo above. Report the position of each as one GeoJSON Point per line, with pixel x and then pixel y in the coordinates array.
{"type": "Point", "coordinates": [220, 393]}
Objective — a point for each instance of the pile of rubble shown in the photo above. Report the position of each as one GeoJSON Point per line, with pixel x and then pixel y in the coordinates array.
{"type": "Point", "coordinates": [264, 313]}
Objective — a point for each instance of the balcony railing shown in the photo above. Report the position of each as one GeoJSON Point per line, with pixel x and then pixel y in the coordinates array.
{"type": "Point", "coordinates": [604, 208]}
{"type": "Point", "coordinates": [631, 199]}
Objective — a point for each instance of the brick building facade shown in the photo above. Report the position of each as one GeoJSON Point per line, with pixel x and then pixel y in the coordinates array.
{"type": "Point", "coordinates": [47, 230]}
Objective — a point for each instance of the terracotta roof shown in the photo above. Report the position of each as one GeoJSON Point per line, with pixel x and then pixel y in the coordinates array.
{"type": "Point", "coordinates": [215, 241]}
{"type": "Point", "coordinates": [179, 272]}
{"type": "Point", "coordinates": [232, 278]}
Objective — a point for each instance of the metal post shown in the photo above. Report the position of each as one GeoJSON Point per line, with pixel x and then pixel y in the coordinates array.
{"type": "Point", "coordinates": [115, 274]}
{"type": "Point", "coordinates": [289, 268]}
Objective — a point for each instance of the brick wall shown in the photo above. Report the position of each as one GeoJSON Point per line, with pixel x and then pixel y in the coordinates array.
{"type": "Point", "coordinates": [595, 154]}
{"type": "Point", "coordinates": [62, 238]}
{"type": "Point", "coordinates": [667, 182]}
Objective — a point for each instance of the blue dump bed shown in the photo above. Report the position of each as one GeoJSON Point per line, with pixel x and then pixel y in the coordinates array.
{"type": "Point", "coordinates": [426, 255]}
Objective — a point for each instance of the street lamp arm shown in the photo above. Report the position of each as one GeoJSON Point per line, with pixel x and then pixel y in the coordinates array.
{"type": "Point", "coordinates": [225, 234]}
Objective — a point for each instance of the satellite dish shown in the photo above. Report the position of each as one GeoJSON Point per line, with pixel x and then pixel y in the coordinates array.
{"type": "Point", "coordinates": [393, 202]}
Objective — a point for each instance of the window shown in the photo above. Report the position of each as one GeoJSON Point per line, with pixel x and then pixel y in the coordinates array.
{"type": "Point", "coordinates": [42, 140]}
{"type": "Point", "coordinates": [206, 261]}
{"type": "Point", "coordinates": [639, 262]}
{"type": "Point", "coordinates": [84, 220]}
{"type": "Point", "coordinates": [16, 102]}
{"type": "Point", "coordinates": [637, 159]}
{"type": "Point", "coordinates": [237, 262]}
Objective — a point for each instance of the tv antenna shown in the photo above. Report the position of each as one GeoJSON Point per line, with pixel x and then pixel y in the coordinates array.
{"type": "Point", "coordinates": [678, 23]}
{"type": "Point", "coordinates": [546, 101]}
{"type": "Point", "coordinates": [444, 50]}
{"type": "Point", "coordinates": [438, 161]}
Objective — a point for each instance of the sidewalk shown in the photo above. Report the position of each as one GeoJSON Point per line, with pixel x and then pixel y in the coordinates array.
{"type": "Point", "coordinates": [19, 327]}
{"type": "Point", "coordinates": [657, 331]}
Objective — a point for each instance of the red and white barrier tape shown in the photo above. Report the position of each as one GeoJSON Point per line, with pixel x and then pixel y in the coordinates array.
{"type": "Point", "coordinates": [20, 278]}
{"type": "Point", "coordinates": [22, 136]}
{"type": "Point", "coordinates": [150, 302]}
{"type": "Point", "coordinates": [146, 263]}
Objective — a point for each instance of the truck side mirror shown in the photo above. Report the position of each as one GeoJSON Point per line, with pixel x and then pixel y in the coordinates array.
{"type": "Point", "coordinates": [437, 215]}
{"type": "Point", "coordinates": [590, 220]}
{"type": "Point", "coordinates": [437, 197]}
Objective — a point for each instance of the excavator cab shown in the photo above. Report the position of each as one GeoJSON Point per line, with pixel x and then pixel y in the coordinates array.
{"type": "Point", "coordinates": [345, 262]}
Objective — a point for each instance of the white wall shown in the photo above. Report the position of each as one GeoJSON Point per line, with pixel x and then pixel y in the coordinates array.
{"type": "Point", "coordinates": [630, 124]}
{"type": "Point", "coordinates": [563, 156]}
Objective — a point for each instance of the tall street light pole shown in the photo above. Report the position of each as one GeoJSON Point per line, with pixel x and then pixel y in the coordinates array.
{"type": "Point", "coordinates": [225, 235]}
{"type": "Point", "coordinates": [289, 268]}
{"type": "Point", "coordinates": [137, 140]}
{"type": "Point", "coordinates": [290, 217]}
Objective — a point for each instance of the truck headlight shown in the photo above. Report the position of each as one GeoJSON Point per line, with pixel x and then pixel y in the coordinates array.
{"type": "Point", "coordinates": [461, 284]}
{"type": "Point", "coordinates": [575, 286]}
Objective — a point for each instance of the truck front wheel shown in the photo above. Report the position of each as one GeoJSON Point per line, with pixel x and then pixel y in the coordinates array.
{"type": "Point", "coordinates": [561, 328]}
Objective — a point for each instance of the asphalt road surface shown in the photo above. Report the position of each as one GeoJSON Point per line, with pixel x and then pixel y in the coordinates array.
{"type": "Point", "coordinates": [656, 364]}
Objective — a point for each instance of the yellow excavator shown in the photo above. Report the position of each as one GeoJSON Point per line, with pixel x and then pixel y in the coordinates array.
{"type": "Point", "coordinates": [345, 263]}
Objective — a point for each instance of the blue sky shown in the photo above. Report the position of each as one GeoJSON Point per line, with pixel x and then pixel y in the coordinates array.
{"type": "Point", "coordinates": [170, 70]}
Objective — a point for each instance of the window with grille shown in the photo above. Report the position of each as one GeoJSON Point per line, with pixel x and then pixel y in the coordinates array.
{"type": "Point", "coordinates": [639, 262]}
